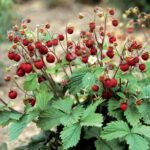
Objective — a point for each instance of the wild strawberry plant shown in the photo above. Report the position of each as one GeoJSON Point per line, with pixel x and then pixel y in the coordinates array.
{"type": "Point", "coordinates": [101, 98]}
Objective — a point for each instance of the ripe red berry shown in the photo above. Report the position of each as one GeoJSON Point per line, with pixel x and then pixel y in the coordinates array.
{"type": "Point", "coordinates": [61, 37]}
{"type": "Point", "coordinates": [39, 64]}
{"type": "Point", "coordinates": [92, 26]}
{"type": "Point", "coordinates": [114, 82]}
{"type": "Point", "coordinates": [30, 48]}
{"type": "Point", "coordinates": [110, 54]}
{"type": "Point", "coordinates": [70, 30]}
{"type": "Point", "coordinates": [112, 39]}
{"type": "Point", "coordinates": [49, 44]}
{"type": "Point", "coordinates": [16, 39]}
{"type": "Point", "coordinates": [20, 72]}
{"type": "Point", "coordinates": [89, 43]}
{"type": "Point", "coordinates": [25, 42]}
{"type": "Point", "coordinates": [93, 51]}
{"type": "Point", "coordinates": [124, 67]}
{"type": "Point", "coordinates": [70, 57]}
{"type": "Point", "coordinates": [27, 67]}
{"type": "Point", "coordinates": [84, 59]}
{"type": "Point", "coordinates": [130, 30]}
{"type": "Point", "coordinates": [142, 67]}
{"type": "Point", "coordinates": [107, 94]}
{"type": "Point", "coordinates": [43, 50]}
{"type": "Point", "coordinates": [78, 51]}
{"type": "Point", "coordinates": [95, 88]}
{"type": "Point", "coordinates": [32, 101]}
{"type": "Point", "coordinates": [10, 37]}
{"type": "Point", "coordinates": [11, 55]}
{"type": "Point", "coordinates": [136, 59]}
{"type": "Point", "coordinates": [55, 42]}
{"type": "Point", "coordinates": [41, 78]}
{"type": "Point", "coordinates": [145, 56]}
{"type": "Point", "coordinates": [38, 44]}
{"type": "Point", "coordinates": [123, 106]}
{"type": "Point", "coordinates": [107, 83]}
{"type": "Point", "coordinates": [17, 58]}
{"type": "Point", "coordinates": [115, 23]}
{"type": "Point", "coordinates": [131, 62]}
{"type": "Point", "coordinates": [112, 12]}
{"type": "Point", "coordinates": [12, 94]}
{"type": "Point", "coordinates": [50, 58]}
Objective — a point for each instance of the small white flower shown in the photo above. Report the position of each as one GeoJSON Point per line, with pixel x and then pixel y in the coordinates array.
{"type": "Point", "coordinates": [92, 60]}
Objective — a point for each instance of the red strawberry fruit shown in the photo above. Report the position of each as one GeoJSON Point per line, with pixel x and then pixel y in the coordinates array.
{"type": "Point", "coordinates": [12, 94]}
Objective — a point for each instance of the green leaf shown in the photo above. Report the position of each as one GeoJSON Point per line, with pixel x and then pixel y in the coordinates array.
{"type": "Point", "coordinates": [145, 92]}
{"type": "Point", "coordinates": [144, 110]}
{"type": "Point", "coordinates": [142, 130]}
{"type": "Point", "coordinates": [137, 142]}
{"type": "Point", "coordinates": [15, 116]}
{"type": "Point", "coordinates": [64, 105]}
{"type": "Point", "coordinates": [113, 109]}
{"type": "Point", "coordinates": [121, 95]}
{"type": "Point", "coordinates": [17, 127]}
{"type": "Point", "coordinates": [115, 129]}
{"type": "Point", "coordinates": [132, 115]}
{"type": "Point", "coordinates": [107, 145]}
{"type": "Point", "coordinates": [93, 119]}
{"type": "Point", "coordinates": [42, 99]}
{"type": "Point", "coordinates": [91, 109]}
{"type": "Point", "coordinates": [91, 132]}
{"type": "Point", "coordinates": [88, 80]}
{"type": "Point", "coordinates": [4, 117]}
{"type": "Point", "coordinates": [50, 118]}
{"type": "Point", "coordinates": [70, 136]}
{"type": "Point", "coordinates": [75, 85]}
{"type": "Point", "coordinates": [30, 82]}
{"type": "Point", "coordinates": [73, 117]}
{"type": "Point", "coordinates": [98, 71]}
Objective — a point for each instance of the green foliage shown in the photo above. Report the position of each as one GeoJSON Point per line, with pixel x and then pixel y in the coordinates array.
{"type": "Point", "coordinates": [143, 5]}
{"type": "Point", "coordinates": [17, 127]}
{"type": "Point", "coordinates": [137, 142]}
{"type": "Point", "coordinates": [132, 115]}
{"type": "Point", "coordinates": [42, 99]}
{"type": "Point", "coordinates": [30, 83]}
{"type": "Point", "coordinates": [70, 135]}
{"type": "Point", "coordinates": [7, 17]}
{"type": "Point", "coordinates": [116, 129]}
{"type": "Point", "coordinates": [133, 137]}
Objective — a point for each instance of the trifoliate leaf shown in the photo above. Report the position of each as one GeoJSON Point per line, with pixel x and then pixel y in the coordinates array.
{"type": "Point", "coordinates": [70, 135]}
{"type": "Point", "coordinates": [136, 142]}
{"type": "Point", "coordinates": [115, 130]}
{"type": "Point", "coordinates": [73, 116]}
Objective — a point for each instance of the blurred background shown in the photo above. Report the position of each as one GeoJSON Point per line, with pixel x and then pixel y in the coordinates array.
{"type": "Point", "coordinates": [58, 13]}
